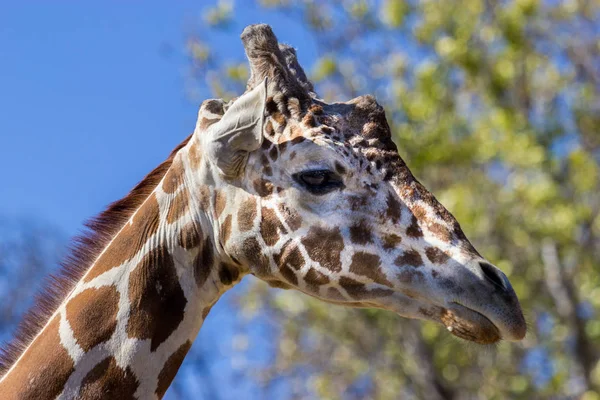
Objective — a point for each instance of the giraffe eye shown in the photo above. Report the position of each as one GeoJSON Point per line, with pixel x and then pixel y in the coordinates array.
{"type": "Point", "coordinates": [319, 181]}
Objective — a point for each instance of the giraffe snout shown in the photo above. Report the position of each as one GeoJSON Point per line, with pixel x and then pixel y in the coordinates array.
{"type": "Point", "coordinates": [501, 304]}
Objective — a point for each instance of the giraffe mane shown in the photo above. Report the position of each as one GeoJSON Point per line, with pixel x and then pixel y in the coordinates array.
{"type": "Point", "coordinates": [82, 253]}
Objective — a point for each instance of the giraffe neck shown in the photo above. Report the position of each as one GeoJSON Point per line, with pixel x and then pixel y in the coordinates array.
{"type": "Point", "coordinates": [129, 322]}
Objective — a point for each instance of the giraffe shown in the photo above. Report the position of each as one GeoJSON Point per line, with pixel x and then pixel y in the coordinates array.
{"type": "Point", "coordinates": [278, 184]}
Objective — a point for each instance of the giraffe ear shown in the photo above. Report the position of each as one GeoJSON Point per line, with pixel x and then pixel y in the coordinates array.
{"type": "Point", "coordinates": [239, 132]}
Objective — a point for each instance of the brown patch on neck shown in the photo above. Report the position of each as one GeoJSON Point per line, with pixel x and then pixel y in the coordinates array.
{"type": "Point", "coordinates": [174, 177]}
{"type": "Point", "coordinates": [179, 206]}
{"type": "Point", "coordinates": [247, 214]}
{"type": "Point", "coordinates": [157, 300]}
{"type": "Point", "coordinates": [190, 235]}
{"type": "Point", "coordinates": [220, 202]}
{"type": "Point", "coordinates": [228, 273]}
{"type": "Point", "coordinates": [92, 315]}
{"type": "Point", "coordinates": [226, 230]}
{"type": "Point", "coordinates": [394, 210]}
{"type": "Point", "coordinates": [169, 370]}
{"type": "Point", "coordinates": [42, 371]}
{"type": "Point", "coordinates": [414, 230]}
{"type": "Point", "coordinates": [83, 253]}
{"type": "Point", "coordinates": [130, 240]}
{"type": "Point", "coordinates": [253, 253]}
{"type": "Point", "coordinates": [109, 381]}
{"type": "Point", "coordinates": [195, 155]}
{"type": "Point", "coordinates": [203, 263]}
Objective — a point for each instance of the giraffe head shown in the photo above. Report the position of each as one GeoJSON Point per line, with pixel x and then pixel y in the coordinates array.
{"type": "Point", "coordinates": [315, 197]}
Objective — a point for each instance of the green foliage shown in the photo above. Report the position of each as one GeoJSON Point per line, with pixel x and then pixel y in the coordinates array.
{"type": "Point", "coordinates": [495, 106]}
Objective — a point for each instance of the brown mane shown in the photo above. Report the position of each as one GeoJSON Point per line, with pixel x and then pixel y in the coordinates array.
{"type": "Point", "coordinates": [83, 251]}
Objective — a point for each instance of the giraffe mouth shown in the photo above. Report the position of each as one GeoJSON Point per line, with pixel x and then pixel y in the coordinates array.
{"type": "Point", "coordinates": [468, 324]}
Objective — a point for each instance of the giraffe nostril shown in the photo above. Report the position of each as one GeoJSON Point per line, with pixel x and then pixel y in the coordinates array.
{"type": "Point", "coordinates": [493, 275]}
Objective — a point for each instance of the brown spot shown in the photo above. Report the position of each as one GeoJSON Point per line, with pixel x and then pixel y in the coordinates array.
{"type": "Point", "coordinates": [289, 256]}
{"type": "Point", "coordinates": [174, 177]}
{"type": "Point", "coordinates": [324, 246]}
{"type": "Point", "coordinates": [410, 257]}
{"type": "Point", "coordinates": [263, 187]}
{"type": "Point", "coordinates": [108, 381]}
{"type": "Point", "coordinates": [270, 132]}
{"type": "Point", "coordinates": [440, 231]}
{"type": "Point", "coordinates": [195, 155]}
{"type": "Point", "coordinates": [292, 155]}
{"type": "Point", "coordinates": [228, 274]}
{"type": "Point", "coordinates": [316, 109]}
{"type": "Point", "coordinates": [273, 153]}
{"type": "Point", "coordinates": [280, 119]}
{"type": "Point", "coordinates": [408, 275]}
{"type": "Point", "coordinates": [226, 229]}
{"type": "Point", "coordinates": [203, 262]}
{"type": "Point", "coordinates": [42, 370]}
{"type": "Point", "coordinates": [394, 208]}
{"type": "Point", "coordinates": [314, 279]}
{"type": "Point", "coordinates": [205, 312]}
{"type": "Point", "coordinates": [220, 202]}
{"type": "Point", "coordinates": [289, 275]}
{"type": "Point", "coordinates": [95, 308]}
{"type": "Point", "coordinates": [247, 214]}
{"type": "Point", "coordinates": [360, 233]}
{"type": "Point", "coordinates": [254, 254]}
{"type": "Point", "coordinates": [368, 265]}
{"type": "Point", "coordinates": [309, 120]}
{"type": "Point", "coordinates": [390, 241]}
{"type": "Point", "coordinates": [413, 229]}
{"type": "Point", "coordinates": [291, 217]}
{"type": "Point", "coordinates": [190, 235]}
{"type": "Point", "coordinates": [359, 291]}
{"type": "Point", "coordinates": [334, 294]}
{"type": "Point", "coordinates": [157, 300]}
{"type": "Point", "coordinates": [263, 157]}
{"type": "Point", "coordinates": [204, 197]}
{"type": "Point", "coordinates": [419, 212]}
{"type": "Point", "coordinates": [130, 240]}
{"type": "Point", "coordinates": [270, 226]}
{"type": "Point", "coordinates": [169, 370]}
{"type": "Point", "coordinates": [434, 273]}
{"type": "Point", "coordinates": [178, 207]}
{"type": "Point", "coordinates": [436, 255]}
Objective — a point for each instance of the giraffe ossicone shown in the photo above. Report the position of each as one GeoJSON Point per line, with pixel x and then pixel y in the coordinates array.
{"type": "Point", "coordinates": [278, 184]}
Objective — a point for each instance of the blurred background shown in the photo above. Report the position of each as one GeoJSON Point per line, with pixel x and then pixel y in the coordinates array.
{"type": "Point", "coordinates": [495, 106]}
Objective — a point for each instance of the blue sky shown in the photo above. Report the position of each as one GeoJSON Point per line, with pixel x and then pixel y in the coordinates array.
{"type": "Point", "coordinates": [92, 97]}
